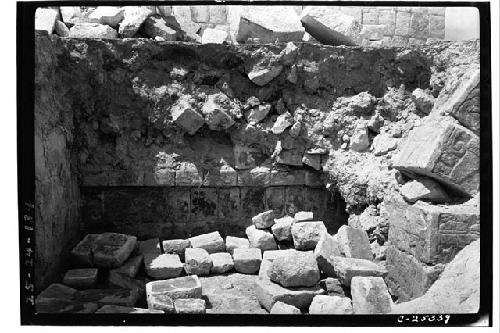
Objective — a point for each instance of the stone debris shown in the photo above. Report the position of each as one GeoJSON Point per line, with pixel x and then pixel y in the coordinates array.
{"type": "Point", "coordinates": [133, 18]}
{"type": "Point", "coordinates": [263, 75]}
{"type": "Point", "coordinates": [61, 29]}
{"type": "Point", "coordinates": [108, 15]}
{"type": "Point", "coordinates": [162, 266]}
{"type": "Point", "coordinates": [176, 246]}
{"type": "Point", "coordinates": [149, 246]}
{"type": "Point", "coordinates": [236, 243]}
{"type": "Point", "coordinates": [65, 306]}
{"type": "Point", "coordinates": [370, 295]}
{"type": "Point", "coordinates": [313, 160]}
{"type": "Point", "coordinates": [303, 216]}
{"type": "Point", "coordinates": [268, 293]}
{"type": "Point", "coordinates": [123, 297]}
{"type": "Point", "coordinates": [45, 19]}
{"type": "Point", "coordinates": [326, 248]}
{"type": "Point", "coordinates": [263, 220]}
{"type": "Point", "coordinates": [360, 141]}
{"type": "Point", "coordinates": [131, 266]}
{"type": "Point", "coordinates": [161, 302]}
{"type": "Point", "coordinates": [330, 26]}
{"type": "Point", "coordinates": [346, 268]}
{"type": "Point", "coordinates": [70, 15]}
{"type": "Point", "coordinates": [256, 114]}
{"type": "Point", "coordinates": [354, 243]}
{"type": "Point", "coordinates": [283, 121]}
{"type": "Point", "coordinates": [283, 308]}
{"type": "Point", "coordinates": [198, 261]}
{"type": "Point", "coordinates": [384, 143]}
{"type": "Point", "coordinates": [92, 30]}
{"type": "Point", "coordinates": [211, 242]}
{"type": "Point", "coordinates": [443, 150]}
{"type": "Point", "coordinates": [288, 56]}
{"type": "Point", "coordinates": [306, 235]}
{"type": "Point", "coordinates": [125, 309]}
{"type": "Point", "coordinates": [181, 287]}
{"type": "Point", "coordinates": [111, 250]}
{"type": "Point", "coordinates": [261, 239]}
{"type": "Point", "coordinates": [295, 269]}
{"type": "Point", "coordinates": [423, 100]}
{"type": "Point", "coordinates": [217, 112]}
{"type": "Point", "coordinates": [282, 228]}
{"type": "Point", "coordinates": [82, 278]}
{"type": "Point", "coordinates": [222, 262]}
{"type": "Point", "coordinates": [185, 115]}
{"type": "Point", "coordinates": [155, 26]}
{"type": "Point", "coordinates": [122, 281]}
{"type": "Point", "coordinates": [214, 36]}
{"type": "Point", "coordinates": [332, 286]}
{"type": "Point", "coordinates": [325, 304]}
{"type": "Point", "coordinates": [247, 261]}
{"type": "Point", "coordinates": [423, 189]}
{"type": "Point", "coordinates": [189, 305]}
{"type": "Point", "coordinates": [378, 250]}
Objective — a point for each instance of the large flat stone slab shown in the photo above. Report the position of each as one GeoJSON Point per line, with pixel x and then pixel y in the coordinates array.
{"type": "Point", "coordinates": [81, 278]}
{"type": "Point", "coordinates": [65, 306]}
{"type": "Point", "coordinates": [326, 248]}
{"type": "Point", "coordinates": [125, 309]}
{"type": "Point", "coordinates": [124, 297]}
{"type": "Point", "coordinates": [55, 292]}
{"type": "Point", "coordinates": [181, 287]}
{"type": "Point", "coordinates": [347, 268]}
{"type": "Point", "coordinates": [212, 242]}
{"type": "Point", "coordinates": [370, 295]}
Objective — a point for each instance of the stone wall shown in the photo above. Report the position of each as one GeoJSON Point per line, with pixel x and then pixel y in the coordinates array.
{"type": "Point", "coordinates": [57, 194]}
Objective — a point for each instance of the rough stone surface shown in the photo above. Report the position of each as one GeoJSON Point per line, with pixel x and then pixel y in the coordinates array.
{"type": "Point", "coordinates": [123, 297]}
{"type": "Point", "coordinates": [267, 261]}
{"type": "Point", "coordinates": [155, 26]}
{"type": "Point", "coordinates": [444, 150]}
{"type": "Point", "coordinates": [269, 293]}
{"type": "Point", "coordinates": [189, 305]}
{"type": "Point", "coordinates": [133, 18]}
{"type": "Point", "coordinates": [160, 302]}
{"type": "Point", "coordinates": [108, 15]}
{"type": "Point", "coordinates": [261, 239]}
{"type": "Point", "coordinates": [198, 261]}
{"type": "Point", "coordinates": [82, 252]}
{"type": "Point", "coordinates": [354, 243]}
{"type": "Point", "coordinates": [181, 287]}
{"type": "Point", "coordinates": [131, 266]}
{"type": "Point", "coordinates": [423, 100]}
{"type": "Point", "coordinates": [162, 266]}
{"type": "Point", "coordinates": [111, 250]}
{"type": "Point", "coordinates": [325, 304]}
{"type": "Point", "coordinates": [283, 121]}
{"type": "Point", "coordinates": [149, 246]}
{"type": "Point", "coordinates": [119, 280]}
{"type": "Point", "coordinates": [332, 286]}
{"type": "Point", "coordinates": [247, 261]}
{"type": "Point", "coordinates": [81, 278]}
{"type": "Point", "coordinates": [263, 220]}
{"type": "Point", "coordinates": [55, 292]}
{"type": "Point", "coordinates": [262, 76]}
{"type": "Point", "coordinates": [236, 243]}
{"type": "Point", "coordinates": [370, 295]}
{"type": "Point", "coordinates": [214, 36]}
{"type": "Point", "coordinates": [61, 29]}
{"type": "Point", "coordinates": [125, 309]}
{"type": "Point", "coordinates": [306, 235]}
{"type": "Point", "coordinates": [92, 30]}
{"type": "Point", "coordinates": [45, 19]}
{"type": "Point", "coordinates": [326, 248]}
{"type": "Point", "coordinates": [383, 143]}
{"type": "Point", "coordinates": [283, 308]}
{"type": "Point", "coordinates": [282, 228]}
{"type": "Point", "coordinates": [303, 216]}
{"type": "Point", "coordinates": [295, 269]}
{"type": "Point", "coordinates": [222, 262]}
{"type": "Point", "coordinates": [347, 268]}
{"type": "Point", "coordinates": [423, 189]}
{"type": "Point", "coordinates": [185, 116]}
{"type": "Point", "coordinates": [211, 242]}
{"type": "Point", "coordinates": [219, 112]}
{"type": "Point", "coordinates": [176, 246]}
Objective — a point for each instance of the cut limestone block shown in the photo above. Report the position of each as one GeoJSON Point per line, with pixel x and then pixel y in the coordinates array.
{"type": "Point", "coordinates": [155, 26]}
{"type": "Point", "coordinates": [456, 291]}
{"type": "Point", "coordinates": [269, 24]}
{"type": "Point", "coordinates": [283, 308]}
{"type": "Point", "coordinates": [82, 278]}
{"type": "Point", "coordinates": [213, 36]}
{"type": "Point", "coordinates": [108, 15]}
{"type": "Point", "coordinates": [54, 292]}
{"type": "Point", "coordinates": [247, 261]}
{"type": "Point", "coordinates": [162, 266]}
{"type": "Point", "coordinates": [123, 281]}
{"type": "Point", "coordinates": [306, 235]}
{"type": "Point", "coordinates": [133, 18]}
{"type": "Point", "coordinates": [211, 242]}
{"type": "Point", "coordinates": [267, 261]}
{"type": "Point", "coordinates": [331, 27]}
{"type": "Point", "coordinates": [423, 189]}
{"type": "Point", "coordinates": [111, 250]}
{"type": "Point", "coordinates": [326, 248]}
{"type": "Point", "coordinates": [407, 277]}
{"type": "Point", "coordinates": [431, 233]}
{"type": "Point", "coordinates": [236, 243]}
{"type": "Point", "coordinates": [443, 150]}
{"type": "Point", "coordinates": [176, 246]}
{"type": "Point", "coordinates": [189, 305]}
{"type": "Point", "coordinates": [45, 19]}
{"type": "Point", "coordinates": [181, 287]}
{"type": "Point", "coordinates": [261, 239]}
{"type": "Point", "coordinates": [149, 246]}
{"type": "Point", "coordinates": [125, 309]}
{"type": "Point", "coordinates": [332, 286]}
{"type": "Point", "coordinates": [263, 220]}
{"type": "Point", "coordinates": [282, 228]}
{"type": "Point", "coordinates": [185, 116]}
{"type": "Point", "coordinates": [295, 269]}
{"type": "Point", "coordinates": [354, 243]}
{"type": "Point", "coordinates": [370, 295]}
{"type": "Point", "coordinates": [268, 293]}
{"type": "Point", "coordinates": [92, 30]}
{"type": "Point", "coordinates": [303, 216]}
{"type": "Point", "coordinates": [222, 262]}
{"type": "Point", "coordinates": [347, 268]}
{"type": "Point", "coordinates": [197, 261]}
{"type": "Point", "coordinates": [124, 297]}
{"type": "Point", "coordinates": [82, 252]}
{"type": "Point", "coordinates": [325, 304]}
{"type": "Point", "coordinates": [131, 266]}
{"type": "Point", "coordinates": [161, 302]}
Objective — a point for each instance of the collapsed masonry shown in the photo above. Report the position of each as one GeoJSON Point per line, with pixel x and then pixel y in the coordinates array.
{"type": "Point", "coordinates": [140, 139]}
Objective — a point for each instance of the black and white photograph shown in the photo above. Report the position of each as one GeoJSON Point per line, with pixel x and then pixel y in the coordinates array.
{"type": "Point", "coordinates": [284, 163]}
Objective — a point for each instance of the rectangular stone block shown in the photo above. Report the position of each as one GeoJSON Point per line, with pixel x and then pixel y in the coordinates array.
{"type": "Point", "coordinates": [200, 14]}
{"type": "Point", "coordinates": [408, 278]}
{"type": "Point", "coordinates": [275, 199]}
{"type": "Point", "coordinates": [178, 202]}
{"type": "Point", "coordinates": [287, 177]}
{"type": "Point", "coordinates": [110, 250]}
{"type": "Point", "coordinates": [181, 287]}
{"type": "Point", "coordinates": [431, 233]}
{"type": "Point", "coordinates": [445, 151]}
{"type": "Point", "coordinates": [373, 32]}
{"type": "Point", "coordinates": [436, 26]}
{"type": "Point", "coordinates": [387, 18]}
{"type": "Point", "coordinates": [123, 297]}
{"type": "Point", "coordinates": [402, 23]}
{"type": "Point", "coordinates": [258, 176]}
{"type": "Point", "coordinates": [252, 201]}
{"type": "Point", "coordinates": [370, 17]}
{"type": "Point", "coordinates": [229, 205]}
{"type": "Point", "coordinates": [294, 199]}
{"type": "Point", "coordinates": [218, 14]}
{"type": "Point", "coordinates": [419, 25]}
{"type": "Point", "coordinates": [204, 204]}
